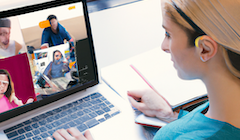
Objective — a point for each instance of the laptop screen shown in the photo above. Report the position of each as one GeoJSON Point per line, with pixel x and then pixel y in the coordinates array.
{"type": "Point", "coordinates": [46, 54]}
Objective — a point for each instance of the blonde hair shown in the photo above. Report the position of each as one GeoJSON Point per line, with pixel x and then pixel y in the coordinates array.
{"type": "Point", "coordinates": [217, 18]}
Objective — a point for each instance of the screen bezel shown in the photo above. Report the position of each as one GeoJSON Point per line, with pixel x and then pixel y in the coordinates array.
{"type": "Point", "coordinates": [37, 7]}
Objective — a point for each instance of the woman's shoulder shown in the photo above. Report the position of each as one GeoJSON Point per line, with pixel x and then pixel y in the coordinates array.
{"type": "Point", "coordinates": [196, 125]}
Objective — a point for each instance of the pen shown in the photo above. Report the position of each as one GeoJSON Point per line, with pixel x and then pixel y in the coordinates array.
{"type": "Point", "coordinates": [145, 80]}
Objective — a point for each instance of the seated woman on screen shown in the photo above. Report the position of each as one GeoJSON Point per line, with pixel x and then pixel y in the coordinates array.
{"type": "Point", "coordinates": [203, 39]}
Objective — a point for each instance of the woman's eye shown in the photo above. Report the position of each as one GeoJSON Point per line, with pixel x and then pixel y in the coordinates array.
{"type": "Point", "coordinates": [167, 34]}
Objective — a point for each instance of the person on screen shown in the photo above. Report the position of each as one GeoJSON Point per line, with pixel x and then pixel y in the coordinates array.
{"type": "Point", "coordinates": [7, 47]}
{"type": "Point", "coordinates": [202, 38]}
{"type": "Point", "coordinates": [8, 100]}
{"type": "Point", "coordinates": [55, 35]}
{"type": "Point", "coordinates": [58, 67]}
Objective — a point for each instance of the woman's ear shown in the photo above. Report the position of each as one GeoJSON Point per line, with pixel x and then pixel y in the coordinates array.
{"type": "Point", "coordinates": [206, 47]}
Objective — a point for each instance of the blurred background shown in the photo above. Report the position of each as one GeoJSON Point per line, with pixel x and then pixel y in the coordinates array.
{"type": "Point", "coordinates": [97, 5]}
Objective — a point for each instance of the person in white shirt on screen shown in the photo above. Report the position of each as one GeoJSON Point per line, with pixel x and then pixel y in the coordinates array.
{"type": "Point", "coordinates": [7, 47]}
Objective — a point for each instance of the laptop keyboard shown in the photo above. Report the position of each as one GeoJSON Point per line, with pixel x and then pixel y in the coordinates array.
{"type": "Point", "coordinates": [82, 114]}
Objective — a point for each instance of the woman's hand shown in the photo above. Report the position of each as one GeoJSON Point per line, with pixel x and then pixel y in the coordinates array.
{"type": "Point", "coordinates": [152, 104]}
{"type": "Point", "coordinates": [71, 134]}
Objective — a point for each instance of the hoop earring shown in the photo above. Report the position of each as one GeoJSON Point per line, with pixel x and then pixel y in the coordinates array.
{"type": "Point", "coordinates": [202, 59]}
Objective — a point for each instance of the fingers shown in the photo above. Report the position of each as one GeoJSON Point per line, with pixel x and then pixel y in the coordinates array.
{"type": "Point", "coordinates": [136, 104]}
{"type": "Point", "coordinates": [71, 134]}
{"type": "Point", "coordinates": [58, 136]}
{"type": "Point", "coordinates": [62, 134]}
{"type": "Point", "coordinates": [49, 138]}
{"type": "Point", "coordinates": [136, 94]}
{"type": "Point", "coordinates": [76, 133]}
{"type": "Point", "coordinates": [88, 135]}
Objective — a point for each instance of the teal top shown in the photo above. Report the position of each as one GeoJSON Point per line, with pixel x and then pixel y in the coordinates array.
{"type": "Point", "coordinates": [197, 126]}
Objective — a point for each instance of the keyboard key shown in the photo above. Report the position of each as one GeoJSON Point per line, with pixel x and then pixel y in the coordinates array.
{"type": "Point", "coordinates": [49, 113]}
{"type": "Point", "coordinates": [49, 126]}
{"type": "Point", "coordinates": [74, 109]}
{"type": "Point", "coordinates": [95, 95]}
{"type": "Point", "coordinates": [80, 113]}
{"type": "Point", "coordinates": [69, 111]}
{"type": "Point", "coordinates": [27, 122]}
{"type": "Point", "coordinates": [94, 102]}
{"type": "Point", "coordinates": [65, 126]}
{"type": "Point", "coordinates": [87, 111]}
{"type": "Point", "coordinates": [69, 105]}
{"type": "Point", "coordinates": [82, 127]}
{"type": "Point", "coordinates": [107, 102]}
{"type": "Point", "coordinates": [115, 113]}
{"type": "Point", "coordinates": [51, 132]}
{"type": "Point", "coordinates": [80, 101]}
{"type": "Point", "coordinates": [64, 113]}
{"type": "Point", "coordinates": [93, 114]}
{"type": "Point", "coordinates": [35, 119]}
{"type": "Point", "coordinates": [36, 132]}
{"type": "Point", "coordinates": [50, 119]}
{"type": "Point", "coordinates": [84, 118]}
{"type": "Point", "coordinates": [92, 123]}
{"type": "Point", "coordinates": [29, 134]}
{"type": "Point", "coordinates": [73, 116]}
{"type": "Point", "coordinates": [84, 105]}
{"type": "Point", "coordinates": [75, 103]}
{"type": "Point", "coordinates": [28, 128]}
{"type": "Point", "coordinates": [111, 106]}
{"type": "Point", "coordinates": [42, 129]}
{"type": "Point", "coordinates": [12, 134]}
{"type": "Point", "coordinates": [78, 121]}
{"type": "Point", "coordinates": [42, 116]}
{"type": "Point", "coordinates": [72, 124]}
{"type": "Point", "coordinates": [37, 138]}
{"type": "Point", "coordinates": [58, 116]}
{"type": "Point", "coordinates": [101, 120]}
{"type": "Point", "coordinates": [64, 120]}
{"type": "Point", "coordinates": [56, 123]}
{"type": "Point", "coordinates": [96, 107]}
{"type": "Point", "coordinates": [87, 98]}
{"type": "Point", "coordinates": [64, 107]}
{"type": "Point", "coordinates": [44, 135]}
{"type": "Point", "coordinates": [19, 138]}
{"type": "Point", "coordinates": [43, 122]}
{"type": "Point", "coordinates": [21, 131]}
{"type": "Point", "coordinates": [102, 105]}
{"type": "Point", "coordinates": [100, 112]}
{"type": "Point", "coordinates": [57, 110]}
{"type": "Point", "coordinates": [35, 125]}
{"type": "Point", "coordinates": [103, 99]}
{"type": "Point", "coordinates": [13, 128]}
{"type": "Point", "coordinates": [106, 109]}
{"type": "Point", "coordinates": [107, 116]}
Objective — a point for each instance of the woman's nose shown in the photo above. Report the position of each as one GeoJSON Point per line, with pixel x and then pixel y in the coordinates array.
{"type": "Point", "coordinates": [165, 47]}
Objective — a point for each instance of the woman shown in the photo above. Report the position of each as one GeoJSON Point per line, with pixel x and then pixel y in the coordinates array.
{"type": "Point", "coordinates": [8, 100]}
{"type": "Point", "coordinates": [58, 67]}
{"type": "Point", "coordinates": [202, 37]}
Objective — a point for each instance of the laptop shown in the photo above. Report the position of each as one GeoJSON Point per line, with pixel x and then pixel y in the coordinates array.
{"type": "Point", "coordinates": [63, 90]}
